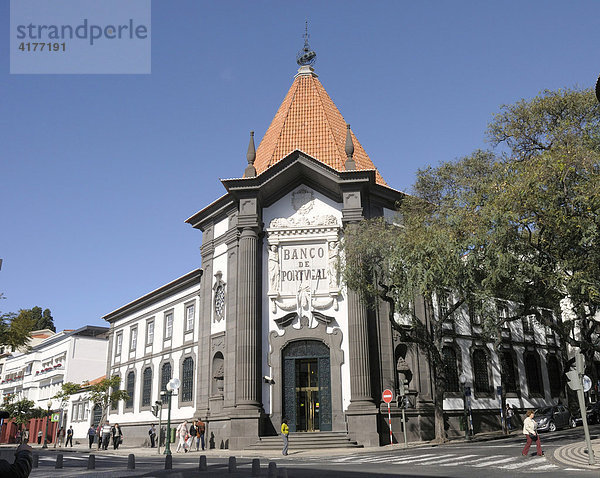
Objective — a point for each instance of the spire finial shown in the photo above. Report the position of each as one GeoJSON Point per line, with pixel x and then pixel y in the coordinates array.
{"type": "Point", "coordinates": [349, 147]}
{"type": "Point", "coordinates": [250, 171]}
{"type": "Point", "coordinates": [306, 56]}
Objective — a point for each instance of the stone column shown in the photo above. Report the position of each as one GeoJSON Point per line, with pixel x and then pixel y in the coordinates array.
{"type": "Point", "coordinates": [248, 324]}
{"type": "Point", "coordinates": [360, 371]}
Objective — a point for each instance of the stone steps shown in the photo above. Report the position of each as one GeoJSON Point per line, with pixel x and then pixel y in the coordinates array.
{"type": "Point", "coordinates": [306, 441]}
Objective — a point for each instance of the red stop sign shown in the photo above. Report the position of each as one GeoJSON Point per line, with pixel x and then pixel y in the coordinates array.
{"type": "Point", "coordinates": [387, 395]}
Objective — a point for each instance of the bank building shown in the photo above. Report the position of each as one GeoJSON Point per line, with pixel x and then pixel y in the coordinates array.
{"type": "Point", "coordinates": [267, 329]}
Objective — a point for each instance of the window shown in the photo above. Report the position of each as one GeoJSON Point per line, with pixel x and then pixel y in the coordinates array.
{"type": "Point", "coordinates": [189, 317]}
{"type": "Point", "coordinates": [450, 369]}
{"type": "Point", "coordinates": [114, 405]}
{"type": "Point", "coordinates": [187, 384]}
{"type": "Point", "coordinates": [147, 387]}
{"type": "Point", "coordinates": [150, 332]}
{"type": "Point", "coordinates": [475, 313]}
{"type": "Point", "coordinates": [528, 324]}
{"type": "Point", "coordinates": [130, 389]}
{"type": "Point", "coordinates": [28, 369]}
{"type": "Point", "coordinates": [480, 372]}
{"type": "Point", "coordinates": [168, 325]}
{"type": "Point", "coordinates": [532, 372]}
{"type": "Point", "coordinates": [133, 339]}
{"type": "Point", "coordinates": [503, 314]}
{"type": "Point", "coordinates": [119, 345]}
{"type": "Point", "coordinates": [508, 372]}
{"type": "Point", "coordinates": [553, 375]}
{"type": "Point", "coordinates": [443, 299]}
{"type": "Point", "coordinates": [165, 375]}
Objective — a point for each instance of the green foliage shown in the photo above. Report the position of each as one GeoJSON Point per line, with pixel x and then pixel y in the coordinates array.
{"type": "Point", "coordinates": [105, 393]}
{"type": "Point", "coordinates": [22, 411]}
{"type": "Point", "coordinates": [37, 318]}
{"type": "Point", "coordinates": [67, 389]}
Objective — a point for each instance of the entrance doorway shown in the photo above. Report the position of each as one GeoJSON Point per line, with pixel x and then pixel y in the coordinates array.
{"type": "Point", "coordinates": [307, 386]}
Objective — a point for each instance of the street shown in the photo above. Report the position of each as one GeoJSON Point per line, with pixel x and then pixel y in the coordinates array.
{"type": "Point", "coordinates": [493, 459]}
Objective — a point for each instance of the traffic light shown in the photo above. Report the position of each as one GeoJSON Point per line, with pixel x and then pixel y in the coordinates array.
{"type": "Point", "coordinates": [574, 375]}
{"type": "Point", "coordinates": [155, 410]}
{"type": "Point", "coordinates": [403, 387]}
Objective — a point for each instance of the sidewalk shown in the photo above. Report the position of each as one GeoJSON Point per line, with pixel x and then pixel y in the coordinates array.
{"type": "Point", "coordinates": [575, 455]}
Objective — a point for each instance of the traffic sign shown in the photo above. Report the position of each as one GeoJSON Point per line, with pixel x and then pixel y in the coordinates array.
{"type": "Point", "coordinates": [387, 395]}
{"type": "Point", "coordinates": [55, 417]}
{"type": "Point", "coordinates": [587, 383]}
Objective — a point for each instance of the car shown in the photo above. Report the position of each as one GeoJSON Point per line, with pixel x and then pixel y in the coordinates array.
{"type": "Point", "coordinates": [552, 418]}
{"type": "Point", "coordinates": [592, 413]}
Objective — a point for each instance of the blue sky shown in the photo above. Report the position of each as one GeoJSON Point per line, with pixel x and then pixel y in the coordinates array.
{"type": "Point", "coordinates": [99, 172]}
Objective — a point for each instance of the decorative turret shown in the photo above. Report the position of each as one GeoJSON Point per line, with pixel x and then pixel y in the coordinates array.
{"type": "Point", "coordinates": [250, 171]}
{"type": "Point", "coordinates": [349, 148]}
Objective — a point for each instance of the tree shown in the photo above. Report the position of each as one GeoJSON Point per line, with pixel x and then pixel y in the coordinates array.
{"type": "Point", "coordinates": [14, 330]}
{"type": "Point", "coordinates": [67, 390]}
{"type": "Point", "coordinates": [104, 393]}
{"type": "Point", "coordinates": [550, 205]}
{"type": "Point", "coordinates": [38, 318]}
{"type": "Point", "coordinates": [522, 225]}
{"type": "Point", "coordinates": [22, 411]}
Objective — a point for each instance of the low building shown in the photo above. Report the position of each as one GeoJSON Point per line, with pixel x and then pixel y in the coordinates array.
{"type": "Point", "coordinates": [38, 374]}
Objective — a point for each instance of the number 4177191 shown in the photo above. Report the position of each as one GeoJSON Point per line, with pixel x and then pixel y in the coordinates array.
{"type": "Point", "coordinates": [42, 46]}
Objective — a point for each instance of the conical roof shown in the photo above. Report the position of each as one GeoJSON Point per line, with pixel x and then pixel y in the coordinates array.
{"type": "Point", "coordinates": [308, 120]}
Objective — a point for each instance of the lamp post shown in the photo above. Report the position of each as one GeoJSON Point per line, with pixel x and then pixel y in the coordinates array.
{"type": "Point", "coordinates": [171, 387]}
{"type": "Point", "coordinates": [463, 381]}
{"type": "Point", "coordinates": [45, 445]}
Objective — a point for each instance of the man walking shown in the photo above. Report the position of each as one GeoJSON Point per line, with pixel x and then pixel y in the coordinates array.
{"type": "Point", "coordinates": [200, 429]}
{"type": "Point", "coordinates": [285, 431]}
{"type": "Point", "coordinates": [91, 435]}
{"type": "Point", "coordinates": [509, 416]}
{"type": "Point", "coordinates": [152, 434]}
{"type": "Point", "coordinates": [106, 432]}
{"type": "Point", "coordinates": [69, 437]}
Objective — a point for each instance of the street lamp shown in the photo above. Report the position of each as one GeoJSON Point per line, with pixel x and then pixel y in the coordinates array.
{"type": "Point", "coordinates": [466, 391]}
{"type": "Point", "coordinates": [47, 420]}
{"type": "Point", "coordinates": [171, 387]}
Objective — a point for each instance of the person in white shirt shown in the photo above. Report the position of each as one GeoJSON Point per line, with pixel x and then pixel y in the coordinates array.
{"type": "Point", "coordinates": [530, 430]}
{"type": "Point", "coordinates": [182, 433]}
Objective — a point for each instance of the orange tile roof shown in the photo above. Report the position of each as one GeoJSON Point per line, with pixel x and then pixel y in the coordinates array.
{"type": "Point", "coordinates": [308, 120]}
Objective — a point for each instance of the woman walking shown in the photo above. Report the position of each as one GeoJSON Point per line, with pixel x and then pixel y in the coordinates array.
{"type": "Point", "coordinates": [530, 429]}
{"type": "Point", "coordinates": [182, 433]}
{"type": "Point", "coordinates": [117, 436]}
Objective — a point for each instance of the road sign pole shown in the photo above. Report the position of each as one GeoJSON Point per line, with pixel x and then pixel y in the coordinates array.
{"type": "Point", "coordinates": [387, 397]}
{"type": "Point", "coordinates": [404, 424]}
{"type": "Point", "coordinates": [390, 423]}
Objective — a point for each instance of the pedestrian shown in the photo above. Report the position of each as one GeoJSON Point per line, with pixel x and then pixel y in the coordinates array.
{"type": "Point", "coordinates": [91, 435]}
{"type": "Point", "coordinates": [25, 436]}
{"type": "Point", "coordinates": [200, 430]}
{"type": "Point", "coordinates": [509, 416]}
{"type": "Point", "coordinates": [60, 437]}
{"type": "Point", "coordinates": [99, 434]}
{"type": "Point", "coordinates": [152, 433]}
{"type": "Point", "coordinates": [40, 435]}
{"type": "Point", "coordinates": [193, 433]}
{"type": "Point", "coordinates": [285, 431]}
{"type": "Point", "coordinates": [530, 429]}
{"type": "Point", "coordinates": [69, 436]}
{"type": "Point", "coordinates": [106, 431]}
{"type": "Point", "coordinates": [18, 437]}
{"type": "Point", "coordinates": [117, 436]}
{"type": "Point", "coordinates": [182, 433]}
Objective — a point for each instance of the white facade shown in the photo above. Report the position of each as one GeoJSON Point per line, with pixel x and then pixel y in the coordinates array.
{"type": "Point", "coordinates": [148, 337]}
{"type": "Point", "coordinates": [68, 356]}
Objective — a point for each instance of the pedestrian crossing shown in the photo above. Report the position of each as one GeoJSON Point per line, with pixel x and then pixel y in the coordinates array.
{"type": "Point", "coordinates": [503, 462]}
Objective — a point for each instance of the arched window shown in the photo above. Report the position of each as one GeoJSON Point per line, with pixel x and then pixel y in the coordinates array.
{"type": "Point", "coordinates": [480, 371]}
{"type": "Point", "coordinates": [509, 377]}
{"type": "Point", "coordinates": [165, 375]}
{"type": "Point", "coordinates": [147, 387]}
{"type": "Point", "coordinates": [130, 389]}
{"type": "Point", "coordinates": [553, 375]}
{"type": "Point", "coordinates": [187, 382]}
{"type": "Point", "coordinates": [450, 369]}
{"type": "Point", "coordinates": [97, 415]}
{"type": "Point", "coordinates": [534, 378]}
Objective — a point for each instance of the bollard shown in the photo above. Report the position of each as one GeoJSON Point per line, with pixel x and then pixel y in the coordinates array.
{"type": "Point", "coordinates": [131, 462]}
{"type": "Point", "coordinates": [255, 467]}
{"type": "Point", "coordinates": [202, 463]}
{"type": "Point", "coordinates": [91, 462]}
{"type": "Point", "coordinates": [283, 473]}
{"type": "Point", "coordinates": [232, 464]}
{"type": "Point", "coordinates": [272, 469]}
{"type": "Point", "coordinates": [168, 462]}
{"type": "Point", "coordinates": [59, 461]}
{"type": "Point", "coordinates": [36, 460]}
